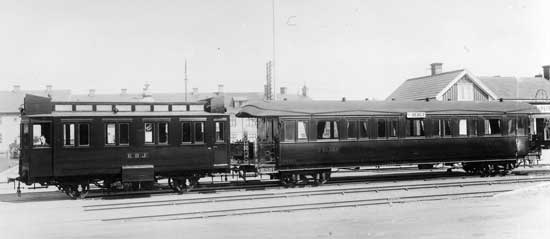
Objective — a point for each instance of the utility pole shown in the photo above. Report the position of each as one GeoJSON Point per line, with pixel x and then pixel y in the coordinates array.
{"type": "Point", "coordinates": [185, 80]}
{"type": "Point", "coordinates": [273, 63]}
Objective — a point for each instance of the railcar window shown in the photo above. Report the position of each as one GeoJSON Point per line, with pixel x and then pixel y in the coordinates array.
{"type": "Point", "coordinates": [363, 129]}
{"type": "Point", "coordinates": [522, 127]}
{"type": "Point", "coordinates": [84, 135]}
{"type": "Point", "coordinates": [186, 132]}
{"type": "Point", "coordinates": [111, 134]}
{"type": "Point", "coordinates": [473, 129]}
{"type": "Point", "coordinates": [442, 128]}
{"type": "Point", "coordinates": [393, 128]}
{"type": "Point", "coordinates": [199, 132]}
{"type": "Point", "coordinates": [352, 129]}
{"type": "Point", "coordinates": [163, 133]}
{"type": "Point", "coordinates": [511, 126]}
{"type": "Point", "coordinates": [68, 134]}
{"type": "Point", "coordinates": [381, 128]}
{"type": "Point", "coordinates": [416, 127]}
{"type": "Point", "coordinates": [220, 132]}
{"type": "Point", "coordinates": [290, 130]}
{"type": "Point", "coordinates": [41, 135]}
{"type": "Point", "coordinates": [124, 134]}
{"type": "Point", "coordinates": [149, 133]}
{"type": "Point", "coordinates": [492, 126]}
{"type": "Point", "coordinates": [302, 130]}
{"type": "Point", "coordinates": [462, 127]}
{"type": "Point", "coordinates": [327, 130]}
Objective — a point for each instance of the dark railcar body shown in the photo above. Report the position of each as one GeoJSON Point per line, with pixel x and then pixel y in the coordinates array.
{"type": "Point", "coordinates": [58, 161]}
{"type": "Point", "coordinates": [467, 136]}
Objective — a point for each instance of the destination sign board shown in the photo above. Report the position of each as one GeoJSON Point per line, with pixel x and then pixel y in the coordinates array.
{"type": "Point", "coordinates": [416, 115]}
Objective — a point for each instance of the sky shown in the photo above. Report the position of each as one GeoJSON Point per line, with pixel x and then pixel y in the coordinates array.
{"type": "Point", "coordinates": [338, 48]}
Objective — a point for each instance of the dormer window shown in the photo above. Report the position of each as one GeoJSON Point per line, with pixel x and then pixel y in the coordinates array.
{"type": "Point", "coordinates": [465, 91]}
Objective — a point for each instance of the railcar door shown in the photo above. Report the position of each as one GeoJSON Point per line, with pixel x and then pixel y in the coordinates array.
{"type": "Point", "coordinates": [219, 143]}
{"type": "Point", "coordinates": [38, 155]}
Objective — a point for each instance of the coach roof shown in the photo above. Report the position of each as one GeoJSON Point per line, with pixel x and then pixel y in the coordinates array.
{"type": "Point", "coordinates": [286, 108]}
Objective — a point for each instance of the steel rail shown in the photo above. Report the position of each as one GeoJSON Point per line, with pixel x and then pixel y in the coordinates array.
{"type": "Point", "coordinates": [307, 206]}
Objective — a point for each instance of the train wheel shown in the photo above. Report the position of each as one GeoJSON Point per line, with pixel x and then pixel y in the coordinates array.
{"type": "Point", "coordinates": [181, 184]}
{"type": "Point", "coordinates": [287, 180]}
{"type": "Point", "coordinates": [76, 191]}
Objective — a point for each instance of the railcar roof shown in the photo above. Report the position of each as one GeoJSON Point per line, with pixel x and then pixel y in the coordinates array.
{"type": "Point", "coordinates": [352, 108]}
{"type": "Point", "coordinates": [127, 114]}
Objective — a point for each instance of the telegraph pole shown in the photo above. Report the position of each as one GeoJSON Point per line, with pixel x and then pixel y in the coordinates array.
{"type": "Point", "coordinates": [273, 62]}
{"type": "Point", "coordinates": [185, 80]}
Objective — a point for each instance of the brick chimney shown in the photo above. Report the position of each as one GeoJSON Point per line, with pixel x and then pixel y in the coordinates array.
{"type": "Point", "coordinates": [546, 72]}
{"type": "Point", "coordinates": [123, 91]}
{"type": "Point", "coordinates": [283, 90]}
{"type": "Point", "coordinates": [91, 92]}
{"type": "Point", "coordinates": [49, 88]}
{"type": "Point", "coordinates": [436, 68]}
{"type": "Point", "coordinates": [195, 91]}
{"type": "Point", "coordinates": [147, 94]}
{"type": "Point", "coordinates": [16, 88]}
{"type": "Point", "coordinates": [220, 89]}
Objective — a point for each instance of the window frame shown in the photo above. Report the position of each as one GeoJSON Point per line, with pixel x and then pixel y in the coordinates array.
{"type": "Point", "coordinates": [334, 129]}
{"type": "Point", "coordinates": [117, 123]}
{"type": "Point", "coordinates": [156, 132]}
{"type": "Point", "coordinates": [31, 133]}
{"type": "Point", "coordinates": [411, 122]}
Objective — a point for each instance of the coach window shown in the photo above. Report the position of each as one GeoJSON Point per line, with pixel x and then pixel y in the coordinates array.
{"type": "Point", "coordinates": [302, 130]}
{"type": "Point", "coordinates": [220, 132]}
{"type": "Point", "coordinates": [473, 127]}
{"type": "Point", "coordinates": [416, 127]}
{"type": "Point", "coordinates": [149, 127]}
{"type": "Point", "coordinates": [68, 134]}
{"type": "Point", "coordinates": [492, 126]}
{"type": "Point", "coordinates": [124, 138]}
{"type": "Point", "coordinates": [327, 130]}
{"type": "Point", "coordinates": [522, 127]}
{"type": "Point", "coordinates": [199, 132]}
{"type": "Point", "coordinates": [352, 129]}
{"type": "Point", "coordinates": [511, 126]}
{"type": "Point", "coordinates": [393, 128]}
{"type": "Point", "coordinates": [83, 134]}
{"type": "Point", "coordinates": [289, 131]}
{"type": "Point", "coordinates": [111, 134]}
{"type": "Point", "coordinates": [363, 129]}
{"type": "Point", "coordinates": [381, 123]}
{"type": "Point", "coordinates": [186, 132]}
{"type": "Point", "coordinates": [163, 133]}
{"type": "Point", "coordinates": [41, 135]}
{"type": "Point", "coordinates": [462, 127]}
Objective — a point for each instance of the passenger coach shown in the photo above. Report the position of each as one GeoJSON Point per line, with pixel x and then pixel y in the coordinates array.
{"type": "Point", "coordinates": [74, 144]}
{"type": "Point", "coordinates": [304, 140]}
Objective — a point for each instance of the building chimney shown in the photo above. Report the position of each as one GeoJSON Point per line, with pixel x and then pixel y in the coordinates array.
{"type": "Point", "coordinates": [49, 88]}
{"type": "Point", "coordinates": [343, 99]}
{"type": "Point", "coordinates": [304, 91]}
{"type": "Point", "coordinates": [123, 91]}
{"type": "Point", "coordinates": [436, 68]}
{"type": "Point", "coordinates": [220, 89]}
{"type": "Point", "coordinates": [16, 88]}
{"type": "Point", "coordinates": [91, 92]}
{"type": "Point", "coordinates": [195, 91]}
{"type": "Point", "coordinates": [546, 72]}
{"type": "Point", "coordinates": [283, 90]}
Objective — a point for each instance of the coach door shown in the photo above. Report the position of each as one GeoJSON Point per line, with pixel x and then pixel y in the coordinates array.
{"type": "Point", "coordinates": [219, 143]}
{"type": "Point", "coordinates": [39, 157]}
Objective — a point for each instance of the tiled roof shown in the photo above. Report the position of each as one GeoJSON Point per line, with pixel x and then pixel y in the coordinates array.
{"type": "Point", "coordinates": [518, 88]}
{"type": "Point", "coordinates": [423, 87]}
{"type": "Point", "coordinates": [10, 101]}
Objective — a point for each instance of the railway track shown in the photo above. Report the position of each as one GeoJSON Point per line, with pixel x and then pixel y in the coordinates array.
{"type": "Point", "coordinates": [306, 206]}
{"type": "Point", "coordinates": [307, 193]}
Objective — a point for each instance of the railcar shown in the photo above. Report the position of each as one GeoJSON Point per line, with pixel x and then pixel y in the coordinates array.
{"type": "Point", "coordinates": [74, 144]}
{"type": "Point", "coordinates": [303, 141]}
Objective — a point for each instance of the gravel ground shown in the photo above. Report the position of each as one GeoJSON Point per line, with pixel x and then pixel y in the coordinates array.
{"type": "Point", "coordinates": [524, 213]}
